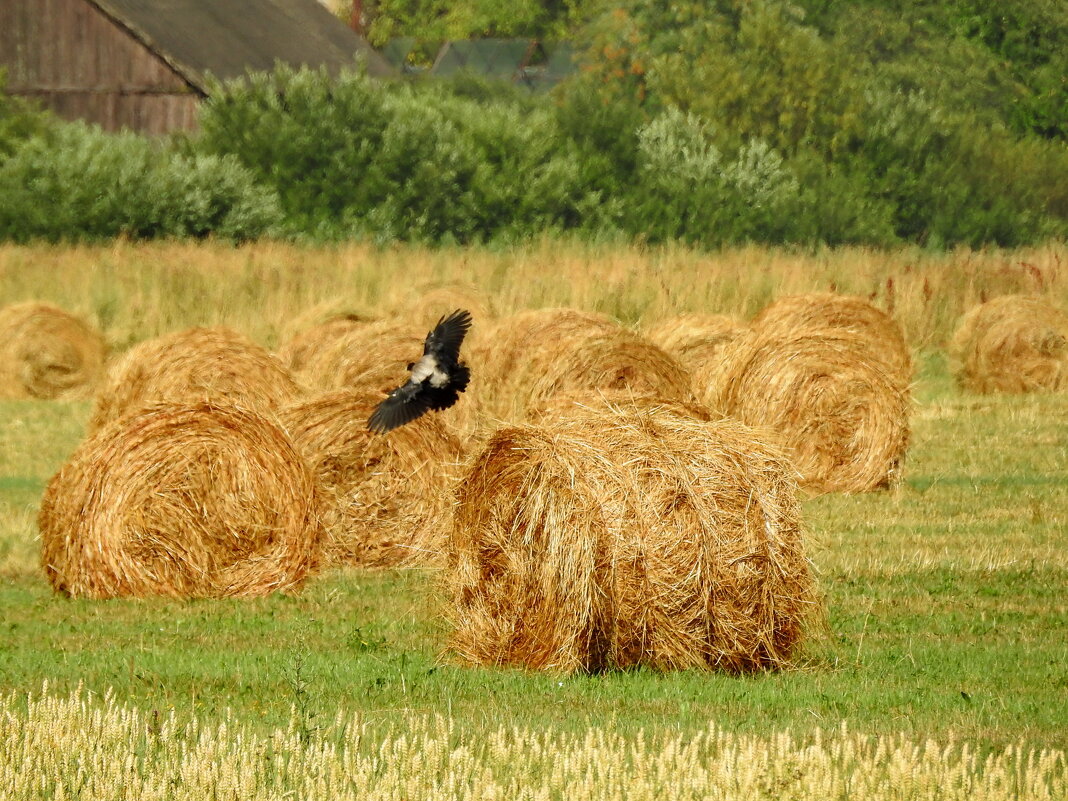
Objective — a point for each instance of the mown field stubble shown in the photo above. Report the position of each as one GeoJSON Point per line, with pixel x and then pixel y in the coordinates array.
{"type": "Point", "coordinates": [943, 667]}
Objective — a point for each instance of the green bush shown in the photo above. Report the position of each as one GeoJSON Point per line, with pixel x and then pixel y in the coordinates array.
{"type": "Point", "coordinates": [18, 120]}
{"type": "Point", "coordinates": [78, 183]}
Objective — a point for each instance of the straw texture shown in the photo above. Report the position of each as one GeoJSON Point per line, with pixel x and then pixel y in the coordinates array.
{"type": "Point", "coordinates": [46, 352]}
{"type": "Point", "coordinates": [185, 501]}
{"type": "Point", "coordinates": [1011, 344]}
{"type": "Point", "coordinates": [637, 533]}
{"type": "Point", "coordinates": [215, 365]}
{"type": "Point", "coordinates": [842, 416]}
{"type": "Point", "coordinates": [386, 498]}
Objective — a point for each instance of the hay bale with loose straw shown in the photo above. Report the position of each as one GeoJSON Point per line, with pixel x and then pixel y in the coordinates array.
{"type": "Point", "coordinates": [629, 534]}
{"type": "Point", "coordinates": [840, 414]}
{"type": "Point", "coordinates": [372, 355]}
{"type": "Point", "coordinates": [843, 316]}
{"type": "Point", "coordinates": [191, 366]}
{"type": "Point", "coordinates": [429, 302]}
{"type": "Point", "coordinates": [184, 501]}
{"type": "Point", "coordinates": [386, 497]}
{"type": "Point", "coordinates": [315, 337]}
{"type": "Point", "coordinates": [694, 339]}
{"type": "Point", "coordinates": [375, 357]}
{"type": "Point", "coordinates": [1011, 344]}
{"type": "Point", "coordinates": [46, 352]}
{"type": "Point", "coordinates": [534, 355]}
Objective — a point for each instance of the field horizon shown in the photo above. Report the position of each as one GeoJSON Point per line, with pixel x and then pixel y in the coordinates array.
{"type": "Point", "coordinates": [945, 595]}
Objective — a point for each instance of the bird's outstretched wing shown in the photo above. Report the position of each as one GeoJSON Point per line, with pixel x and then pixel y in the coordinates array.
{"type": "Point", "coordinates": [401, 406]}
{"type": "Point", "coordinates": [445, 340]}
{"type": "Point", "coordinates": [437, 379]}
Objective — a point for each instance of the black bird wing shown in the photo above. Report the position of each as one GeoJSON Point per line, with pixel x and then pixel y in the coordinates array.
{"type": "Point", "coordinates": [401, 406]}
{"type": "Point", "coordinates": [415, 398]}
{"type": "Point", "coordinates": [445, 340]}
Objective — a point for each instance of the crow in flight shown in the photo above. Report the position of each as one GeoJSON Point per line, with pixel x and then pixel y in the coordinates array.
{"type": "Point", "coordinates": [436, 380]}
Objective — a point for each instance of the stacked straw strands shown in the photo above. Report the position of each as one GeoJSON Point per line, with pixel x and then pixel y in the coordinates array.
{"type": "Point", "coordinates": [310, 340]}
{"type": "Point", "coordinates": [612, 536]}
{"type": "Point", "coordinates": [185, 501]}
{"type": "Point", "coordinates": [48, 353]}
{"type": "Point", "coordinates": [840, 413]}
{"type": "Point", "coordinates": [425, 304]}
{"type": "Point", "coordinates": [695, 339]}
{"type": "Point", "coordinates": [369, 355]}
{"type": "Point", "coordinates": [386, 497]}
{"type": "Point", "coordinates": [374, 357]}
{"type": "Point", "coordinates": [191, 366]}
{"type": "Point", "coordinates": [845, 316]}
{"type": "Point", "coordinates": [533, 355]}
{"type": "Point", "coordinates": [1011, 344]}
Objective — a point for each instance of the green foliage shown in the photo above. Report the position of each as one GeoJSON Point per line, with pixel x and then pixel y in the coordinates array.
{"type": "Point", "coordinates": [78, 183]}
{"type": "Point", "coordinates": [18, 120]}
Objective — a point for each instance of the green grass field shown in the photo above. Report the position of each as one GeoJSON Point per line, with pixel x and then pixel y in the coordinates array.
{"type": "Point", "coordinates": [946, 602]}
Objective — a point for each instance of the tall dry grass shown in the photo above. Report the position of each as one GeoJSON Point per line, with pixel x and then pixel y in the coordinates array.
{"type": "Point", "coordinates": [134, 291]}
{"type": "Point", "coordinates": [82, 747]}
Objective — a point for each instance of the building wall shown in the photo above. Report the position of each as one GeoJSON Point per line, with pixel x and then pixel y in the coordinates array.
{"type": "Point", "coordinates": [73, 59]}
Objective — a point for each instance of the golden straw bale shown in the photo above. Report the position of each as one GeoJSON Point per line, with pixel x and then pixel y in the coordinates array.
{"type": "Point", "coordinates": [198, 364]}
{"type": "Point", "coordinates": [694, 339]}
{"type": "Point", "coordinates": [371, 355]}
{"type": "Point", "coordinates": [629, 534]}
{"type": "Point", "coordinates": [427, 303]}
{"type": "Point", "coordinates": [533, 355]}
{"type": "Point", "coordinates": [48, 353]}
{"type": "Point", "coordinates": [834, 315]}
{"type": "Point", "coordinates": [186, 501]}
{"type": "Point", "coordinates": [1013, 343]}
{"type": "Point", "coordinates": [375, 356]}
{"type": "Point", "coordinates": [315, 336]}
{"type": "Point", "coordinates": [838, 411]}
{"type": "Point", "coordinates": [386, 497]}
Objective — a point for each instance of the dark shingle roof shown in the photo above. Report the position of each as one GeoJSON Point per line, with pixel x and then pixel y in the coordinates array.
{"type": "Point", "coordinates": [227, 38]}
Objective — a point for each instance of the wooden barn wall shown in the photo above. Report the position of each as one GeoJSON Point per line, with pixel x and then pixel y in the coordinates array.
{"type": "Point", "coordinates": [77, 62]}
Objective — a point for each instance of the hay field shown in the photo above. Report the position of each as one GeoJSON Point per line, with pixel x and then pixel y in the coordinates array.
{"type": "Point", "coordinates": [945, 663]}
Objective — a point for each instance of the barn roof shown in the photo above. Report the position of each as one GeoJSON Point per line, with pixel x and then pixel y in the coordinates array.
{"type": "Point", "coordinates": [227, 38]}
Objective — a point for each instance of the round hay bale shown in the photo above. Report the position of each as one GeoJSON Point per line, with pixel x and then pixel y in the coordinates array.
{"type": "Point", "coordinates": [841, 415]}
{"type": "Point", "coordinates": [429, 302]}
{"type": "Point", "coordinates": [695, 339]}
{"type": "Point", "coordinates": [371, 355]}
{"type": "Point", "coordinates": [302, 347]}
{"type": "Point", "coordinates": [375, 356]}
{"type": "Point", "coordinates": [48, 353]}
{"type": "Point", "coordinates": [534, 355]}
{"type": "Point", "coordinates": [843, 316]}
{"type": "Point", "coordinates": [1012, 344]}
{"type": "Point", "coordinates": [198, 364]}
{"type": "Point", "coordinates": [386, 497]}
{"type": "Point", "coordinates": [627, 535]}
{"type": "Point", "coordinates": [185, 501]}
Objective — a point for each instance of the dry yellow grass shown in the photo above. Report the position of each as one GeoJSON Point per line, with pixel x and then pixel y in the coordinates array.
{"type": "Point", "coordinates": [196, 365]}
{"type": "Point", "coordinates": [95, 749]}
{"type": "Point", "coordinates": [1011, 344]}
{"type": "Point", "coordinates": [256, 288]}
{"type": "Point", "coordinates": [185, 501]}
{"type": "Point", "coordinates": [46, 352]}
{"type": "Point", "coordinates": [842, 415]}
{"type": "Point", "coordinates": [613, 535]}
{"type": "Point", "coordinates": [387, 496]}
